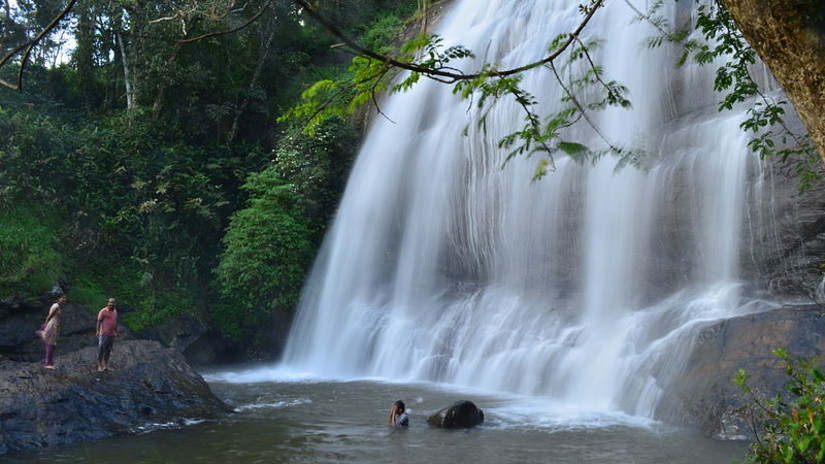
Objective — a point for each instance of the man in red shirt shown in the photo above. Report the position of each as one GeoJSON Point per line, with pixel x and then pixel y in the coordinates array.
{"type": "Point", "coordinates": [106, 331]}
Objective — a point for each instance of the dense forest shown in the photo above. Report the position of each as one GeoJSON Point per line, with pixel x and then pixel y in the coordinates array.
{"type": "Point", "coordinates": [145, 151]}
{"type": "Point", "coordinates": [142, 155]}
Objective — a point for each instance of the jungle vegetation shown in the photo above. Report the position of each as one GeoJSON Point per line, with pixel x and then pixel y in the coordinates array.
{"type": "Point", "coordinates": [187, 157]}
{"type": "Point", "coordinates": [141, 157]}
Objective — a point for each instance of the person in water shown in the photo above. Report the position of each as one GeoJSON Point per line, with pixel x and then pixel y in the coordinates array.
{"type": "Point", "coordinates": [398, 415]}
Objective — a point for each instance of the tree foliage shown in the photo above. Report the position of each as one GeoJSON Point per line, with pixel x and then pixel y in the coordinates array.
{"type": "Point", "coordinates": [791, 427]}
{"type": "Point", "coordinates": [771, 134]}
{"type": "Point", "coordinates": [270, 243]}
{"type": "Point", "coordinates": [28, 253]}
{"type": "Point", "coordinates": [141, 137]}
{"type": "Point", "coordinates": [268, 249]}
{"type": "Point", "coordinates": [127, 159]}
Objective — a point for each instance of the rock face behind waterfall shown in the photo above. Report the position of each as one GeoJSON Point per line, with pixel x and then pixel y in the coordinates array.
{"type": "Point", "coordinates": [707, 398]}
{"type": "Point", "coordinates": [786, 249]}
{"type": "Point", "coordinates": [148, 384]}
{"type": "Point", "coordinates": [459, 415]}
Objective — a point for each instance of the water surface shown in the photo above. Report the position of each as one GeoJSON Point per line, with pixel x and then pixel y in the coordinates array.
{"type": "Point", "coordinates": [316, 421]}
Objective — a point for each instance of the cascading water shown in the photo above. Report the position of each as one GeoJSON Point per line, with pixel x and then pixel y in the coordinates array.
{"type": "Point", "coordinates": [585, 287]}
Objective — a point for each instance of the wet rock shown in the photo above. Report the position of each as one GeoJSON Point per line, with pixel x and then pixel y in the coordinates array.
{"type": "Point", "coordinates": [148, 385]}
{"type": "Point", "coordinates": [461, 414]}
{"type": "Point", "coordinates": [706, 397]}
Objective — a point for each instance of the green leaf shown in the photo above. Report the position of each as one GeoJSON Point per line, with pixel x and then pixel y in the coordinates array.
{"type": "Point", "coordinates": [572, 148]}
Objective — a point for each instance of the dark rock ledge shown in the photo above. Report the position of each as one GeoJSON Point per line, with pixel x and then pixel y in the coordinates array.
{"type": "Point", "coordinates": [706, 397]}
{"type": "Point", "coordinates": [147, 384]}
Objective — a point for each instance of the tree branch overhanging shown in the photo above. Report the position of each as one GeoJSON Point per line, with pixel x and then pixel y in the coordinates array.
{"type": "Point", "coordinates": [28, 46]}
{"type": "Point", "coordinates": [448, 76]}
{"type": "Point", "coordinates": [229, 31]}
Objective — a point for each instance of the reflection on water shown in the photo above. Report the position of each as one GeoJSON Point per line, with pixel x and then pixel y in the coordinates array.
{"type": "Point", "coordinates": [333, 422]}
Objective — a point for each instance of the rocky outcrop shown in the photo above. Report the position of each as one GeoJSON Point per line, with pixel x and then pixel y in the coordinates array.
{"type": "Point", "coordinates": [19, 319]}
{"type": "Point", "coordinates": [148, 385]}
{"type": "Point", "coordinates": [706, 397]}
{"type": "Point", "coordinates": [189, 336]}
{"type": "Point", "coordinates": [459, 415]}
{"type": "Point", "coordinates": [185, 334]}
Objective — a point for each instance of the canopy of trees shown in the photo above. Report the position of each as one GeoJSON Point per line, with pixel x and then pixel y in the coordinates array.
{"type": "Point", "coordinates": [135, 134]}
{"type": "Point", "coordinates": [141, 154]}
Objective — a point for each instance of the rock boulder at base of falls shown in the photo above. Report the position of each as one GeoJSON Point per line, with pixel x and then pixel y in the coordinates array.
{"type": "Point", "coordinates": [147, 385]}
{"type": "Point", "coordinates": [461, 414]}
{"type": "Point", "coordinates": [705, 395]}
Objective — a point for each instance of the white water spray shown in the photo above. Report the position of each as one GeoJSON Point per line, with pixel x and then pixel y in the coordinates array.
{"type": "Point", "coordinates": [586, 287]}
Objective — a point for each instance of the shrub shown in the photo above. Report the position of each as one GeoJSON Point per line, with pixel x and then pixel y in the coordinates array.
{"type": "Point", "coordinates": [29, 261]}
{"type": "Point", "coordinates": [791, 427]}
{"type": "Point", "coordinates": [88, 293]}
{"type": "Point", "coordinates": [269, 247]}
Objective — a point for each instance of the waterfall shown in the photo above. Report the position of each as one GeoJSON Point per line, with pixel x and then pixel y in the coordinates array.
{"type": "Point", "coordinates": [586, 287]}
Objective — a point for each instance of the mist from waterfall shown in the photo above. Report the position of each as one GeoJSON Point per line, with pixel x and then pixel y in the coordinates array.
{"type": "Point", "coordinates": [586, 287]}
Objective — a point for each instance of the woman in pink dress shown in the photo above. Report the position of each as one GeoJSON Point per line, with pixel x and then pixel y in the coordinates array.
{"type": "Point", "coordinates": [51, 329]}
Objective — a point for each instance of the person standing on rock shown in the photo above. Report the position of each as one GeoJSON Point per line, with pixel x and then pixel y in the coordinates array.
{"type": "Point", "coordinates": [51, 329]}
{"type": "Point", "coordinates": [106, 332]}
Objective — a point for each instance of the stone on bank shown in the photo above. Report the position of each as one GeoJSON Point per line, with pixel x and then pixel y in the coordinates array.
{"type": "Point", "coordinates": [148, 384]}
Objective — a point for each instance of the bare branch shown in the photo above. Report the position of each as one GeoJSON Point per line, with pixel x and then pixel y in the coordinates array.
{"type": "Point", "coordinates": [213, 14]}
{"type": "Point", "coordinates": [229, 31]}
{"type": "Point", "coordinates": [29, 45]}
{"type": "Point", "coordinates": [447, 76]}
{"type": "Point", "coordinates": [178, 14]}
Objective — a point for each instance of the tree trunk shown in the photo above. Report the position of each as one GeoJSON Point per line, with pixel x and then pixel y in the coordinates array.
{"type": "Point", "coordinates": [127, 75]}
{"type": "Point", "coordinates": [84, 53]}
{"type": "Point", "coordinates": [789, 36]}
{"type": "Point", "coordinates": [162, 85]}
{"type": "Point", "coordinates": [266, 47]}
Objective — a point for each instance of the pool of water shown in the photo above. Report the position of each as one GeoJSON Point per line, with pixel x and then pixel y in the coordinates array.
{"type": "Point", "coordinates": [324, 421]}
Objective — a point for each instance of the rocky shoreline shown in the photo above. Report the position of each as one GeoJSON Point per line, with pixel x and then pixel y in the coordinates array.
{"type": "Point", "coordinates": [147, 384]}
{"type": "Point", "coordinates": [153, 385]}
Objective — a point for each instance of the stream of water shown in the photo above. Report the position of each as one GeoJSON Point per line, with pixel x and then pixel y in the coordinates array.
{"type": "Point", "coordinates": [586, 287]}
{"type": "Point", "coordinates": [282, 419]}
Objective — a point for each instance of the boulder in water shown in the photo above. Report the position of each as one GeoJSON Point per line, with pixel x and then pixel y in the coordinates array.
{"type": "Point", "coordinates": [461, 414]}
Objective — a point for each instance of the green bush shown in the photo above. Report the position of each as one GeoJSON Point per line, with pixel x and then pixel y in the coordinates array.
{"type": "Point", "coordinates": [268, 249]}
{"type": "Point", "coordinates": [149, 304]}
{"type": "Point", "coordinates": [316, 166]}
{"type": "Point", "coordinates": [383, 34]}
{"type": "Point", "coordinates": [29, 261]}
{"type": "Point", "coordinates": [791, 427]}
{"type": "Point", "coordinates": [88, 293]}
{"type": "Point", "coordinates": [157, 308]}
